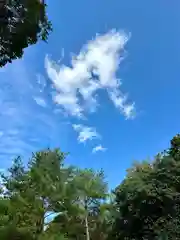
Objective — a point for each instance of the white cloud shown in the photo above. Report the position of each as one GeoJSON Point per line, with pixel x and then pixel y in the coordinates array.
{"type": "Point", "coordinates": [93, 69]}
{"type": "Point", "coordinates": [119, 101]}
{"type": "Point", "coordinates": [85, 133]}
{"type": "Point", "coordinates": [40, 101]}
{"type": "Point", "coordinates": [99, 148]}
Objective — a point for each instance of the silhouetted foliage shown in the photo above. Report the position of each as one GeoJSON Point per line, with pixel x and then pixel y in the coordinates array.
{"type": "Point", "coordinates": [22, 23]}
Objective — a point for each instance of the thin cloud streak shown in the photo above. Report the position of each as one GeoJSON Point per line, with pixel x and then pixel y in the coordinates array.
{"type": "Point", "coordinates": [99, 148]}
{"type": "Point", "coordinates": [21, 119]}
{"type": "Point", "coordinates": [40, 101]}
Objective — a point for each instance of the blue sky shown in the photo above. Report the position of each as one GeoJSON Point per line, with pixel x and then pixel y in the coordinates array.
{"type": "Point", "coordinates": [118, 101]}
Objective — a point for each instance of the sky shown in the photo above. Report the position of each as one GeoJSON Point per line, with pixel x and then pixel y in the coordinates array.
{"type": "Point", "coordinates": [105, 88]}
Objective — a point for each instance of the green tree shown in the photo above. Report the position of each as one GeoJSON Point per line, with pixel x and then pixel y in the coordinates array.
{"type": "Point", "coordinates": [174, 150]}
{"type": "Point", "coordinates": [15, 222]}
{"type": "Point", "coordinates": [22, 23]}
{"type": "Point", "coordinates": [91, 191]}
{"type": "Point", "coordinates": [147, 201]}
{"type": "Point", "coordinates": [36, 191]}
{"type": "Point", "coordinates": [85, 207]}
{"type": "Point", "coordinates": [101, 222]}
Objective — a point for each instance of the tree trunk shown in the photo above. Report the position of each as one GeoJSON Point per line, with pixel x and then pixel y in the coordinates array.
{"type": "Point", "coordinates": [40, 220]}
{"type": "Point", "coordinates": [87, 229]}
{"type": "Point", "coordinates": [86, 222]}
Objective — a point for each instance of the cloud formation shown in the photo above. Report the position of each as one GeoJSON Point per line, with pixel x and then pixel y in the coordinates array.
{"type": "Point", "coordinates": [76, 87]}
{"type": "Point", "coordinates": [99, 148]}
{"type": "Point", "coordinates": [93, 69]}
{"type": "Point", "coordinates": [85, 133]}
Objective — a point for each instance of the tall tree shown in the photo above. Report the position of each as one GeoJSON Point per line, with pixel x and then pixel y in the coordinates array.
{"type": "Point", "coordinates": [101, 222]}
{"type": "Point", "coordinates": [36, 191]}
{"type": "Point", "coordinates": [16, 221]}
{"type": "Point", "coordinates": [85, 216]}
{"type": "Point", "coordinates": [147, 201]}
{"type": "Point", "coordinates": [91, 191]}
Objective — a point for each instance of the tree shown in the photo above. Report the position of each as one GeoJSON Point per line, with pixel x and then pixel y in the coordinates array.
{"type": "Point", "coordinates": [91, 191]}
{"type": "Point", "coordinates": [102, 222]}
{"type": "Point", "coordinates": [148, 201]}
{"type": "Point", "coordinates": [174, 150]}
{"type": "Point", "coordinates": [85, 210]}
{"type": "Point", "coordinates": [46, 179]}
{"type": "Point", "coordinates": [14, 212]}
{"type": "Point", "coordinates": [36, 191]}
{"type": "Point", "coordinates": [22, 23]}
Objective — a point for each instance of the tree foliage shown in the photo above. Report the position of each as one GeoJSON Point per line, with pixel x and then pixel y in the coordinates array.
{"type": "Point", "coordinates": [22, 23]}
{"type": "Point", "coordinates": [148, 200]}
{"type": "Point", "coordinates": [145, 205]}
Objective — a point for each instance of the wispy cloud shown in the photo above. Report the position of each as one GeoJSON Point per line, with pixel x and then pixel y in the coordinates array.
{"type": "Point", "coordinates": [93, 69]}
{"type": "Point", "coordinates": [39, 97]}
{"type": "Point", "coordinates": [41, 81]}
{"type": "Point", "coordinates": [99, 148]}
{"type": "Point", "coordinates": [24, 127]}
{"type": "Point", "coordinates": [40, 101]}
{"type": "Point", "coordinates": [85, 133]}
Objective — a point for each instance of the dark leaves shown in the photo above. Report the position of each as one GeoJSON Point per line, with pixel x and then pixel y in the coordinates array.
{"type": "Point", "coordinates": [22, 23]}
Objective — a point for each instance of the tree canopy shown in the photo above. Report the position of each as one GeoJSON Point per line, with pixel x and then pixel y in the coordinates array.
{"type": "Point", "coordinates": [22, 23]}
{"type": "Point", "coordinates": [148, 200]}
{"type": "Point", "coordinates": [45, 199]}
